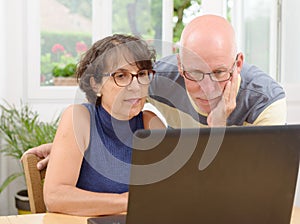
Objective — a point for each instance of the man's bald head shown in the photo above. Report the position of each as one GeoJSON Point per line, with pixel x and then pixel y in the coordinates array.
{"type": "Point", "coordinates": [209, 34]}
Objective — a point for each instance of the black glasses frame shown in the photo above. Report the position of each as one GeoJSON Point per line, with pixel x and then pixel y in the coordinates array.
{"type": "Point", "coordinates": [229, 71]}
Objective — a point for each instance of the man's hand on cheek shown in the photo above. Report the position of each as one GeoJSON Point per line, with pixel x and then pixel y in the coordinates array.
{"type": "Point", "coordinates": [218, 116]}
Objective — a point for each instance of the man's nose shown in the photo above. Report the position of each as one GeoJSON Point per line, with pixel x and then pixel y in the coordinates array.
{"type": "Point", "coordinates": [207, 85]}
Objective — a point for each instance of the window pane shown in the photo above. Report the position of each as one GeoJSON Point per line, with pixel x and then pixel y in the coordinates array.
{"type": "Point", "coordinates": [66, 29]}
{"type": "Point", "coordinates": [139, 17]}
{"type": "Point", "coordinates": [257, 16]}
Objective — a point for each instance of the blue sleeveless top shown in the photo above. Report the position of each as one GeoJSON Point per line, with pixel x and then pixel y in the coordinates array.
{"type": "Point", "coordinates": [106, 163]}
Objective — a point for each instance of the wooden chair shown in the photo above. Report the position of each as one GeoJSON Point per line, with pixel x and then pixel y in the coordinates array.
{"type": "Point", "coordinates": [34, 181]}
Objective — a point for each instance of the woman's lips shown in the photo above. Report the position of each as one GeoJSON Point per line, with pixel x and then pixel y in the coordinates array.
{"type": "Point", "coordinates": [133, 101]}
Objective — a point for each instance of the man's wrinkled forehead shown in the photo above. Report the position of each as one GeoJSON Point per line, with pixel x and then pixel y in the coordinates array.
{"type": "Point", "coordinates": [191, 59]}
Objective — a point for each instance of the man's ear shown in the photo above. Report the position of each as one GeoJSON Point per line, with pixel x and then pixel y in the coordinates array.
{"type": "Point", "coordinates": [239, 62]}
{"type": "Point", "coordinates": [179, 65]}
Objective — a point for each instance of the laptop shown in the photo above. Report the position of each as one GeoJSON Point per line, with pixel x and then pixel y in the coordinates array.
{"type": "Point", "coordinates": [212, 175]}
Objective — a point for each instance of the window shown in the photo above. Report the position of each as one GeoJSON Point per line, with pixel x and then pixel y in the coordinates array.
{"type": "Point", "coordinates": [257, 29]}
{"type": "Point", "coordinates": [59, 31]}
{"type": "Point", "coordinates": [65, 33]}
{"type": "Point", "coordinates": [141, 18]}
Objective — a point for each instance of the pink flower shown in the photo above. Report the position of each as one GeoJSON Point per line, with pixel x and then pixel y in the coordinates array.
{"type": "Point", "coordinates": [57, 48]}
{"type": "Point", "coordinates": [81, 47]}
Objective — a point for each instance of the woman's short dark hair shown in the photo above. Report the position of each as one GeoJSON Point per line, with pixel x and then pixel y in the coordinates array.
{"type": "Point", "coordinates": [105, 55]}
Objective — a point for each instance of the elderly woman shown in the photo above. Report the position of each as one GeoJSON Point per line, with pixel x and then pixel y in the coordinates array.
{"type": "Point", "coordinates": [88, 172]}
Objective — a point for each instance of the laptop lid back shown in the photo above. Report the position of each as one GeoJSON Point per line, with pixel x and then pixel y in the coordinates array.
{"type": "Point", "coordinates": [219, 175]}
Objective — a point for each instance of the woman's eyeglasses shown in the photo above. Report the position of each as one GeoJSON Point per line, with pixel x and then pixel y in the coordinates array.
{"type": "Point", "coordinates": [124, 78]}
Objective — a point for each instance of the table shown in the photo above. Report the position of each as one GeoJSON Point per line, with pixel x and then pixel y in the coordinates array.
{"type": "Point", "coordinates": [54, 218]}
{"type": "Point", "coordinates": [43, 218]}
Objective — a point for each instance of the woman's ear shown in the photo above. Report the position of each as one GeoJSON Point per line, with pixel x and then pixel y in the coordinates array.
{"type": "Point", "coordinates": [95, 86]}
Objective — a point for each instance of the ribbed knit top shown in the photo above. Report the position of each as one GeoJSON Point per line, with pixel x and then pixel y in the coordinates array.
{"type": "Point", "coordinates": [106, 163]}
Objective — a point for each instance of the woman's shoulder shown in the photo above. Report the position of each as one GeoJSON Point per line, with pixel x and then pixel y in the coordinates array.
{"type": "Point", "coordinates": [75, 122]}
{"type": "Point", "coordinates": [75, 113]}
{"type": "Point", "coordinates": [79, 108]}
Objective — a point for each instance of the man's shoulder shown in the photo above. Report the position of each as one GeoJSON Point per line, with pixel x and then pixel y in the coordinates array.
{"type": "Point", "coordinates": [168, 63]}
{"type": "Point", "coordinates": [258, 90]}
{"type": "Point", "coordinates": [249, 71]}
{"type": "Point", "coordinates": [255, 79]}
{"type": "Point", "coordinates": [169, 58]}
{"type": "Point", "coordinates": [166, 69]}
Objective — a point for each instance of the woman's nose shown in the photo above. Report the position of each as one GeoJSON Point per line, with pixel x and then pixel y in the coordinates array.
{"type": "Point", "coordinates": [134, 83]}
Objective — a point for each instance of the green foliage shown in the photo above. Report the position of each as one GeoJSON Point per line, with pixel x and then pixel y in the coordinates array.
{"type": "Point", "coordinates": [57, 71]}
{"type": "Point", "coordinates": [141, 18]}
{"type": "Point", "coordinates": [70, 55]}
{"type": "Point", "coordinates": [46, 63]}
{"type": "Point", "coordinates": [179, 7]}
{"type": "Point", "coordinates": [21, 130]}
{"type": "Point", "coordinates": [144, 18]}
{"type": "Point", "coordinates": [10, 179]}
{"type": "Point", "coordinates": [67, 71]}
{"type": "Point", "coordinates": [83, 7]}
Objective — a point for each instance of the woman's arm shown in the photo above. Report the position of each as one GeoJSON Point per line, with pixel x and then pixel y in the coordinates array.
{"type": "Point", "coordinates": [60, 191]}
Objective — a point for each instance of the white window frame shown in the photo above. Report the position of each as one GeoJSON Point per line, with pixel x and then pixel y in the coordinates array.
{"type": "Point", "coordinates": [100, 19]}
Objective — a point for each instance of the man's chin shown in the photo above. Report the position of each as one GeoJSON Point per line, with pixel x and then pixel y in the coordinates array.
{"type": "Point", "coordinates": [204, 110]}
{"type": "Point", "coordinates": [206, 107]}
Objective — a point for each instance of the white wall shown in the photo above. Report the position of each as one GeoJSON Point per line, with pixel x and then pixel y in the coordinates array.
{"type": "Point", "coordinates": [290, 57]}
{"type": "Point", "coordinates": [290, 64]}
{"type": "Point", "coordinates": [11, 36]}
{"type": "Point", "coordinates": [12, 88]}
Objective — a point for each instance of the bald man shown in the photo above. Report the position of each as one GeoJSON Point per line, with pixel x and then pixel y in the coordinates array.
{"type": "Point", "coordinates": [208, 83]}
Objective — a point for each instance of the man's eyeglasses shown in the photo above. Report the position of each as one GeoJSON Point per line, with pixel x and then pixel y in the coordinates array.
{"type": "Point", "coordinates": [216, 76]}
{"type": "Point", "coordinates": [124, 78]}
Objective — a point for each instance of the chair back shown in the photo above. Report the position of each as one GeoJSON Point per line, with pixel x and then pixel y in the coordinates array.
{"type": "Point", "coordinates": [34, 181]}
